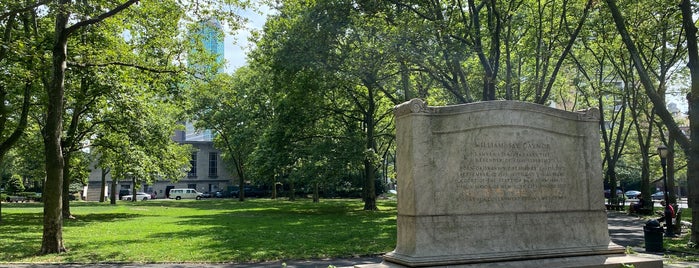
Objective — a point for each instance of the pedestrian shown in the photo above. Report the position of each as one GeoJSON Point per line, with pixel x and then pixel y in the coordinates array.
{"type": "Point", "coordinates": [638, 206]}
{"type": "Point", "coordinates": [668, 211]}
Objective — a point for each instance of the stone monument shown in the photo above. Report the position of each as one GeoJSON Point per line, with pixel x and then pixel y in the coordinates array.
{"type": "Point", "coordinates": [501, 184]}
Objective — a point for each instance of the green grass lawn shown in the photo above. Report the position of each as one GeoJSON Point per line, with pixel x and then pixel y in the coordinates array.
{"type": "Point", "coordinates": [214, 230]}
{"type": "Point", "coordinates": [677, 247]}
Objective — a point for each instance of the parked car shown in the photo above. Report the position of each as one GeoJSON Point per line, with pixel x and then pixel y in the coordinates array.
{"type": "Point", "coordinates": [221, 194]}
{"type": "Point", "coordinates": [206, 195]}
{"type": "Point", "coordinates": [249, 192]}
{"type": "Point", "coordinates": [660, 195]}
{"type": "Point", "coordinates": [123, 192]}
{"type": "Point", "coordinates": [139, 196]}
{"type": "Point", "coordinates": [632, 194]}
{"type": "Point", "coordinates": [178, 194]}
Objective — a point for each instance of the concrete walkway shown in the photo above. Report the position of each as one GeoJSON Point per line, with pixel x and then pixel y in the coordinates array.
{"type": "Point", "coordinates": [624, 230]}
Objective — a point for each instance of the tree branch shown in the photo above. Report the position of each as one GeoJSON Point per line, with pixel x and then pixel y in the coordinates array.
{"type": "Point", "coordinates": [117, 63]}
{"type": "Point", "coordinates": [99, 18]}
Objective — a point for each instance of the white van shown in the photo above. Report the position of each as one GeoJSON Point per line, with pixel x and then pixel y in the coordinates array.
{"type": "Point", "coordinates": [185, 194]}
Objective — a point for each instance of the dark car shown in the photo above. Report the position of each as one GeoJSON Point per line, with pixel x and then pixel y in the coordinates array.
{"type": "Point", "coordinates": [250, 191]}
{"type": "Point", "coordinates": [123, 192]}
{"type": "Point", "coordinates": [632, 194]}
{"type": "Point", "coordinates": [222, 194]}
{"type": "Point", "coordinates": [658, 195]}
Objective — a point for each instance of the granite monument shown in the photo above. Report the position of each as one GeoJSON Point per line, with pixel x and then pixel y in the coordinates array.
{"type": "Point", "coordinates": [501, 184]}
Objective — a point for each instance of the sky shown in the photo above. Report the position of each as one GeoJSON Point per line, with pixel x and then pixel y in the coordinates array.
{"type": "Point", "coordinates": [236, 46]}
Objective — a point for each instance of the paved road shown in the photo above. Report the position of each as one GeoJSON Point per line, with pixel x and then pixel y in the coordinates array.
{"type": "Point", "coordinates": [682, 203]}
{"type": "Point", "coordinates": [627, 231]}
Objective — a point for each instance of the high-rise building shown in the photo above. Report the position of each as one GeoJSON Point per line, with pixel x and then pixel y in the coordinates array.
{"type": "Point", "coordinates": [211, 36]}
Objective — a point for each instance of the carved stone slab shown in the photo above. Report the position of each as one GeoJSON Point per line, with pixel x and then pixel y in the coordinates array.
{"type": "Point", "coordinates": [497, 182]}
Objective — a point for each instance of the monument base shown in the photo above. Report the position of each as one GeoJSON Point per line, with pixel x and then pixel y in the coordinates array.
{"type": "Point", "coordinates": [607, 261]}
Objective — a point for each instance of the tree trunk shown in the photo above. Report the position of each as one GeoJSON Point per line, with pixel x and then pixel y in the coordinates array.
{"type": "Point", "coordinates": [241, 185]}
{"type": "Point", "coordinates": [113, 192]}
{"type": "Point", "coordinates": [611, 177]}
{"type": "Point", "coordinates": [274, 187]}
{"type": "Point", "coordinates": [672, 194]}
{"type": "Point", "coordinates": [52, 240]}
{"type": "Point", "coordinates": [105, 171]}
{"type": "Point", "coordinates": [405, 80]}
{"type": "Point", "coordinates": [316, 195]}
{"type": "Point", "coordinates": [489, 70]}
{"type": "Point", "coordinates": [369, 167]}
{"type": "Point", "coordinates": [292, 191]}
{"type": "Point", "coordinates": [133, 188]}
{"type": "Point", "coordinates": [66, 187]}
{"type": "Point", "coordinates": [693, 99]}
{"type": "Point", "coordinates": [0, 202]}
{"type": "Point", "coordinates": [369, 186]}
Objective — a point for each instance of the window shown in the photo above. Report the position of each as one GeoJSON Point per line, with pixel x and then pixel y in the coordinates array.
{"type": "Point", "coordinates": [213, 164]}
{"type": "Point", "coordinates": [193, 172]}
{"type": "Point", "coordinates": [191, 186]}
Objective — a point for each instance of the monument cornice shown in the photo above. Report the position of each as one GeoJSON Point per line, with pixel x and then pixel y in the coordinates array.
{"type": "Point", "coordinates": [419, 106]}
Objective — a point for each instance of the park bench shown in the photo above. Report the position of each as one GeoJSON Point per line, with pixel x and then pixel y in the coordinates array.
{"type": "Point", "coordinates": [617, 204]}
{"type": "Point", "coordinates": [646, 210]}
{"type": "Point", "coordinates": [16, 199]}
{"type": "Point", "coordinates": [677, 222]}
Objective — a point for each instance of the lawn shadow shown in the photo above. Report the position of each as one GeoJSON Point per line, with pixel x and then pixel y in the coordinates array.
{"type": "Point", "coordinates": [21, 235]}
{"type": "Point", "coordinates": [270, 231]}
{"type": "Point", "coordinates": [84, 219]}
{"type": "Point", "coordinates": [203, 204]}
{"type": "Point", "coordinates": [225, 230]}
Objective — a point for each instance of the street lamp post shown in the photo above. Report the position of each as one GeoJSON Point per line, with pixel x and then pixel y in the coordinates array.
{"type": "Point", "coordinates": [663, 152]}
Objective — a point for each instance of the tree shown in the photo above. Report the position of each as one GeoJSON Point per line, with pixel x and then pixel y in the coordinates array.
{"type": "Point", "coordinates": [689, 144]}
{"type": "Point", "coordinates": [136, 143]}
{"type": "Point", "coordinates": [18, 72]}
{"type": "Point", "coordinates": [461, 44]}
{"type": "Point", "coordinates": [346, 73]}
{"type": "Point", "coordinates": [603, 79]}
{"type": "Point", "coordinates": [237, 110]}
{"type": "Point", "coordinates": [52, 241]}
{"type": "Point", "coordinates": [148, 59]}
{"type": "Point", "coordinates": [15, 184]}
{"type": "Point", "coordinates": [67, 19]}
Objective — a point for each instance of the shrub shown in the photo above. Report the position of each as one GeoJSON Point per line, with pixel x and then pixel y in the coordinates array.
{"type": "Point", "coordinates": [15, 184]}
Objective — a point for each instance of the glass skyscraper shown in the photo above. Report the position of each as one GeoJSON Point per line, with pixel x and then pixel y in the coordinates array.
{"type": "Point", "coordinates": [211, 36]}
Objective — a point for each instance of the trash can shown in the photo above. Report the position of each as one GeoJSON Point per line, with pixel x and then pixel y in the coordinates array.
{"type": "Point", "coordinates": [653, 236]}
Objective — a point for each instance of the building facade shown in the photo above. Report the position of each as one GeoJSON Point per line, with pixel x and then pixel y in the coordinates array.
{"type": "Point", "coordinates": [207, 174]}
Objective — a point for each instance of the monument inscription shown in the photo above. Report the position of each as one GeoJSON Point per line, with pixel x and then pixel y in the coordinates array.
{"type": "Point", "coordinates": [508, 171]}
{"type": "Point", "coordinates": [503, 182]}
